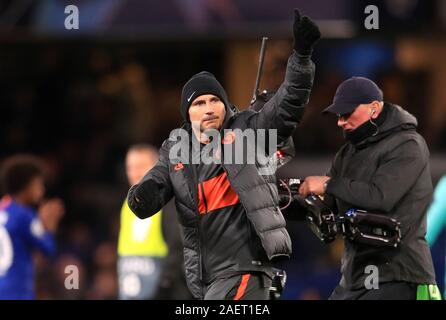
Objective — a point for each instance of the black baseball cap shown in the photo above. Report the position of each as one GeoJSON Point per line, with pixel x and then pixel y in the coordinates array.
{"type": "Point", "coordinates": [353, 92]}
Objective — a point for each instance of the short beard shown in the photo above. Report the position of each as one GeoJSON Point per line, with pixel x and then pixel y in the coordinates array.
{"type": "Point", "coordinates": [208, 134]}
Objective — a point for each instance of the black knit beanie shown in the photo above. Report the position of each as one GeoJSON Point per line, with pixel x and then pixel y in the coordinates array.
{"type": "Point", "coordinates": [201, 83]}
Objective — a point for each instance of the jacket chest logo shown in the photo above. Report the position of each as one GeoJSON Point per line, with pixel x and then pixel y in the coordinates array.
{"type": "Point", "coordinates": [229, 138]}
{"type": "Point", "coordinates": [179, 166]}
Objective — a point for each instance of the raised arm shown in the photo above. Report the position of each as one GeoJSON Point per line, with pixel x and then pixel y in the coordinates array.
{"type": "Point", "coordinates": [285, 109]}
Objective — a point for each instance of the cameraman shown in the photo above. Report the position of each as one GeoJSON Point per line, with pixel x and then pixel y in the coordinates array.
{"type": "Point", "coordinates": [384, 168]}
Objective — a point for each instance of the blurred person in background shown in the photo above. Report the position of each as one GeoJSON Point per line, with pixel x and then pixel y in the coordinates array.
{"type": "Point", "coordinates": [150, 263]}
{"type": "Point", "coordinates": [436, 216]}
{"type": "Point", "coordinates": [232, 224]}
{"type": "Point", "coordinates": [383, 168]}
{"type": "Point", "coordinates": [22, 228]}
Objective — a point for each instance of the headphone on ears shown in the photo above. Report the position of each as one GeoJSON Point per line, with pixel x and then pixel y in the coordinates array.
{"type": "Point", "coordinates": [372, 112]}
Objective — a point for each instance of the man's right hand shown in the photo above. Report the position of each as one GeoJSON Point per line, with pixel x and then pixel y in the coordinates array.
{"type": "Point", "coordinates": [50, 213]}
{"type": "Point", "coordinates": [137, 199]}
{"type": "Point", "coordinates": [306, 34]}
{"type": "Point", "coordinates": [313, 185]}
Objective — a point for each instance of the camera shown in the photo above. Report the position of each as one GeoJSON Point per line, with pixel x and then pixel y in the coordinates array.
{"type": "Point", "coordinates": [359, 226]}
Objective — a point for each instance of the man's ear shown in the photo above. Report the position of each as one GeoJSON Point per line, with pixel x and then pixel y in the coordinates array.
{"type": "Point", "coordinates": [375, 109]}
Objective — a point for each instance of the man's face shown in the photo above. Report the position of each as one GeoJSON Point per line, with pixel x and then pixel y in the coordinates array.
{"type": "Point", "coordinates": [138, 163]}
{"type": "Point", "coordinates": [209, 111]}
{"type": "Point", "coordinates": [359, 116]}
{"type": "Point", "coordinates": [35, 190]}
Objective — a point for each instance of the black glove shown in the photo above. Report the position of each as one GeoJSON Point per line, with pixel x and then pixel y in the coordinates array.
{"type": "Point", "coordinates": [142, 199]}
{"type": "Point", "coordinates": [306, 34]}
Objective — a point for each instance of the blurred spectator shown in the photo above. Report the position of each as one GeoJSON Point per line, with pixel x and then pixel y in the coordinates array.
{"type": "Point", "coordinates": [104, 285]}
{"type": "Point", "coordinates": [150, 250]}
{"type": "Point", "coordinates": [436, 219]}
{"type": "Point", "coordinates": [22, 228]}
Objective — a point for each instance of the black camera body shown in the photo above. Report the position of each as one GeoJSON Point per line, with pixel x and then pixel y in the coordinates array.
{"type": "Point", "coordinates": [359, 226]}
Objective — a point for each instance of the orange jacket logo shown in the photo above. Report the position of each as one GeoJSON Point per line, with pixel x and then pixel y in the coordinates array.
{"type": "Point", "coordinates": [179, 166]}
{"type": "Point", "coordinates": [229, 138]}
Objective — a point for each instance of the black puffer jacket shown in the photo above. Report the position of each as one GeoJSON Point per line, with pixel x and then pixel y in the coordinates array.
{"type": "Point", "coordinates": [257, 193]}
{"type": "Point", "coordinates": [387, 173]}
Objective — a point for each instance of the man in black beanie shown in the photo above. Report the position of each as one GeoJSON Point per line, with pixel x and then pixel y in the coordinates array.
{"type": "Point", "coordinates": [203, 90]}
{"type": "Point", "coordinates": [229, 212]}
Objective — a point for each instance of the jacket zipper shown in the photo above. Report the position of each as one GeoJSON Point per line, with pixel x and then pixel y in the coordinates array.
{"type": "Point", "coordinates": [227, 175]}
{"type": "Point", "coordinates": [204, 198]}
{"type": "Point", "coordinates": [200, 267]}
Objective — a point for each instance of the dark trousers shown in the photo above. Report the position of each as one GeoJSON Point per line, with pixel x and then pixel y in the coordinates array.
{"type": "Point", "coordinates": [248, 286]}
{"type": "Point", "coordinates": [386, 291]}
